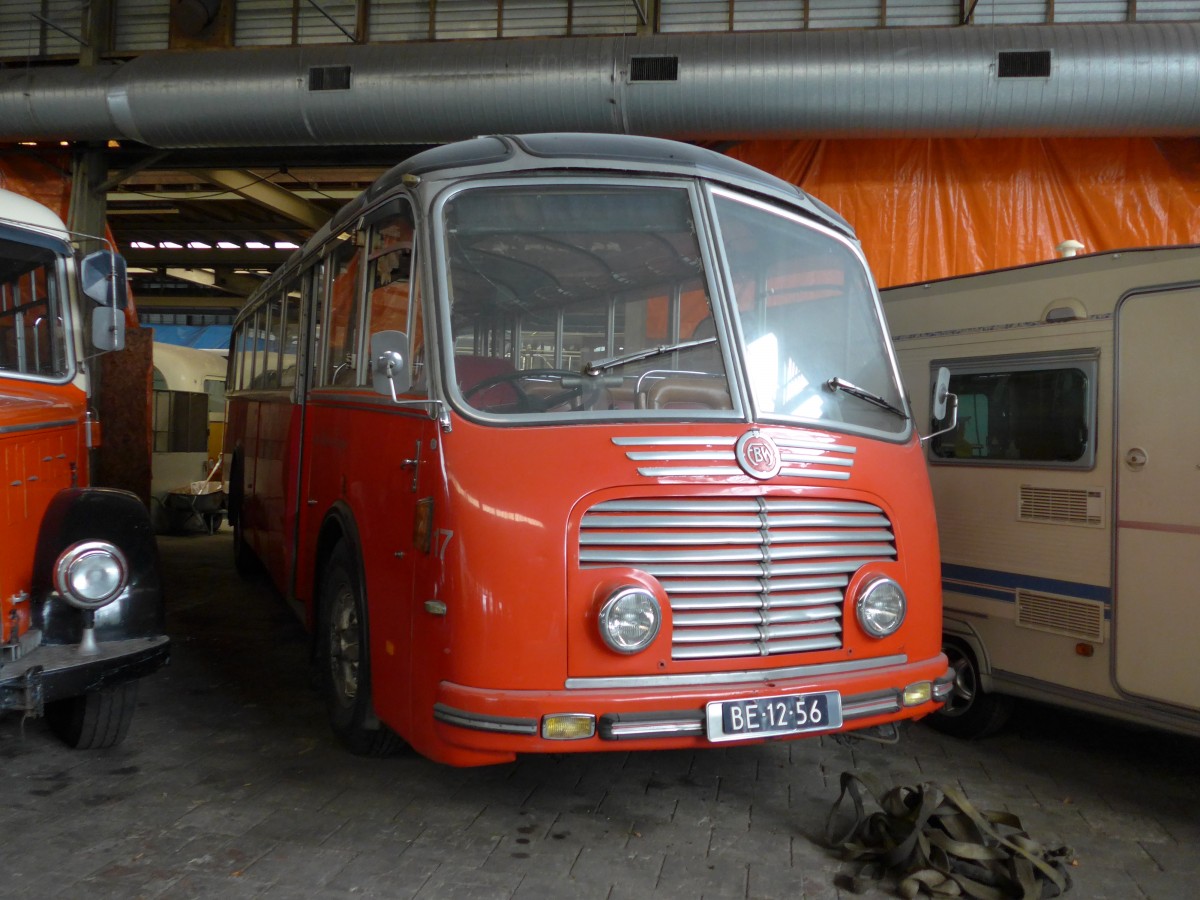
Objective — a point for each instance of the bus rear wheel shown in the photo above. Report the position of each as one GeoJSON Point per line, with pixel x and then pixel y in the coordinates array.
{"type": "Point", "coordinates": [345, 663]}
{"type": "Point", "coordinates": [969, 711]}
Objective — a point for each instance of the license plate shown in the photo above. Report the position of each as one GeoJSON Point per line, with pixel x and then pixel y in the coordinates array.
{"type": "Point", "coordinates": [741, 720]}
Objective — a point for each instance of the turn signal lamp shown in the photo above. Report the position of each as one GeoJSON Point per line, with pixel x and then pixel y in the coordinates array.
{"type": "Point", "coordinates": [918, 693]}
{"type": "Point", "coordinates": [568, 726]}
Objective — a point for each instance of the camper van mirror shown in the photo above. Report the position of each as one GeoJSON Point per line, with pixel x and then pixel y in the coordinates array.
{"type": "Point", "coordinates": [389, 363]}
{"type": "Point", "coordinates": [103, 277]}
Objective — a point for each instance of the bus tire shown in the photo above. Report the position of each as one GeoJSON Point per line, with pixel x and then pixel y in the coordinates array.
{"type": "Point", "coordinates": [344, 664]}
{"type": "Point", "coordinates": [969, 711]}
{"type": "Point", "coordinates": [95, 720]}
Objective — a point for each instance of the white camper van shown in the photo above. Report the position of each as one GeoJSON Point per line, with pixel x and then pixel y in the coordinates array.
{"type": "Point", "coordinates": [1068, 495]}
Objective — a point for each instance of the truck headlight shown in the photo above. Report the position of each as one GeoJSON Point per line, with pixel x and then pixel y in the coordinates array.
{"type": "Point", "coordinates": [880, 606]}
{"type": "Point", "coordinates": [90, 574]}
{"type": "Point", "coordinates": [630, 619]}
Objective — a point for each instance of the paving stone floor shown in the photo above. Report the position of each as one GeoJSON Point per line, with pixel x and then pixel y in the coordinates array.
{"type": "Point", "coordinates": [230, 785]}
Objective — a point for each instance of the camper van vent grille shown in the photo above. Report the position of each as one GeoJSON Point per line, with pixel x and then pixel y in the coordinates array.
{"type": "Point", "coordinates": [1061, 615]}
{"type": "Point", "coordinates": [746, 577]}
{"type": "Point", "coordinates": [1064, 506]}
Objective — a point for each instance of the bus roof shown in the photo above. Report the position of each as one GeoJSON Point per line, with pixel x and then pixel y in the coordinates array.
{"type": "Point", "coordinates": [575, 152]}
{"type": "Point", "coordinates": [563, 152]}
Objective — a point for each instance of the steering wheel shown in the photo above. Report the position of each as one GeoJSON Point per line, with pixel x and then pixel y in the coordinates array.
{"type": "Point", "coordinates": [525, 401]}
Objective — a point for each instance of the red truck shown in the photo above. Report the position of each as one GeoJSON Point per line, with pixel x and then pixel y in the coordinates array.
{"type": "Point", "coordinates": [81, 609]}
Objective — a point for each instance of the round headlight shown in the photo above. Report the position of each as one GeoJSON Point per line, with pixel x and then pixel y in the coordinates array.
{"type": "Point", "coordinates": [90, 574]}
{"type": "Point", "coordinates": [880, 606]}
{"type": "Point", "coordinates": [629, 619]}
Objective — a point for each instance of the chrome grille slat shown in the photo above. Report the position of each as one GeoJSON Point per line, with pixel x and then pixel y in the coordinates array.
{"type": "Point", "coordinates": [745, 576]}
{"type": "Point", "coordinates": [690, 456]}
{"type": "Point", "coordinates": [756, 616]}
{"type": "Point", "coordinates": [676, 588]}
{"type": "Point", "coordinates": [688, 603]}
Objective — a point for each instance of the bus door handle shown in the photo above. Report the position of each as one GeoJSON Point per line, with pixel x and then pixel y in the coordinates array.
{"type": "Point", "coordinates": [414, 464]}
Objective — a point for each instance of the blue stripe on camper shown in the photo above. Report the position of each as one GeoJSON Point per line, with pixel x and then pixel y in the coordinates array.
{"type": "Point", "coordinates": [997, 585]}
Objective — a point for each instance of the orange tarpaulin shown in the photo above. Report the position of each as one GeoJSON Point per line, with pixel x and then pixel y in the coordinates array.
{"type": "Point", "coordinates": [932, 208]}
{"type": "Point", "coordinates": [45, 178]}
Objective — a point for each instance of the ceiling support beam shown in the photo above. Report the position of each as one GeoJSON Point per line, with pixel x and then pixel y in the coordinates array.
{"type": "Point", "coordinates": [258, 189]}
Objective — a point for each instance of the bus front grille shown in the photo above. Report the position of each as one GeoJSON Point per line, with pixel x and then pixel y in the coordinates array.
{"type": "Point", "coordinates": [753, 576]}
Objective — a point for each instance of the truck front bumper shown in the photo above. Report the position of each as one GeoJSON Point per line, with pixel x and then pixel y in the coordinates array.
{"type": "Point", "coordinates": [52, 672]}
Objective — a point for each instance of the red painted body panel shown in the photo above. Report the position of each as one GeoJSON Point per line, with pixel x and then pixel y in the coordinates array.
{"type": "Point", "coordinates": [520, 612]}
{"type": "Point", "coordinates": [41, 452]}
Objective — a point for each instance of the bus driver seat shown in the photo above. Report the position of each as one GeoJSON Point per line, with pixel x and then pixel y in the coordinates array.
{"type": "Point", "coordinates": [473, 371]}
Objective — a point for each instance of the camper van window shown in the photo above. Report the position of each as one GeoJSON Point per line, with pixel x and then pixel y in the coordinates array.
{"type": "Point", "coordinates": [1028, 410]}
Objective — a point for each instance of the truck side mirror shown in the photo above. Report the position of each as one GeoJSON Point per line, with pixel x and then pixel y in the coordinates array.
{"type": "Point", "coordinates": [103, 278]}
{"type": "Point", "coordinates": [390, 373]}
{"type": "Point", "coordinates": [108, 328]}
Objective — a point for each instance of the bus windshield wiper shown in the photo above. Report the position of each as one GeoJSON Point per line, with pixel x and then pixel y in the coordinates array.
{"type": "Point", "coordinates": [603, 365]}
{"type": "Point", "coordinates": [840, 384]}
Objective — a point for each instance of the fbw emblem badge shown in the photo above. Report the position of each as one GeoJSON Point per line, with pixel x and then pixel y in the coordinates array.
{"type": "Point", "coordinates": [757, 455]}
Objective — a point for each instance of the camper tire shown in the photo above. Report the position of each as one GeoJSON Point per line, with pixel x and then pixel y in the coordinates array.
{"type": "Point", "coordinates": [344, 663]}
{"type": "Point", "coordinates": [95, 720]}
{"type": "Point", "coordinates": [969, 711]}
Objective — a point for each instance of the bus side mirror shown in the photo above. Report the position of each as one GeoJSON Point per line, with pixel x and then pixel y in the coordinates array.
{"type": "Point", "coordinates": [942, 398]}
{"type": "Point", "coordinates": [390, 373]}
{"type": "Point", "coordinates": [103, 278]}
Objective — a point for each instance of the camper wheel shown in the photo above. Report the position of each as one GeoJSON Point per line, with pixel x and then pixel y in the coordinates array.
{"type": "Point", "coordinates": [970, 712]}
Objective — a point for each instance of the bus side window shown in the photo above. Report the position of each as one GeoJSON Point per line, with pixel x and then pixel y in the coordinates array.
{"type": "Point", "coordinates": [341, 362]}
{"type": "Point", "coordinates": [289, 335]}
{"type": "Point", "coordinates": [393, 302]}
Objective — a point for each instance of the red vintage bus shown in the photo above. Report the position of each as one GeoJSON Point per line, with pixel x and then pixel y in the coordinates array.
{"type": "Point", "coordinates": [583, 442]}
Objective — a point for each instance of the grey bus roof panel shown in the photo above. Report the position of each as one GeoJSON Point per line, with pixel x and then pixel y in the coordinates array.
{"type": "Point", "coordinates": [566, 152]}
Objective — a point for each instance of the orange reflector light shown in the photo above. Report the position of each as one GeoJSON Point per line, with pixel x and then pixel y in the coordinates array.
{"type": "Point", "coordinates": [568, 726]}
{"type": "Point", "coordinates": [1082, 649]}
{"type": "Point", "coordinates": [916, 694]}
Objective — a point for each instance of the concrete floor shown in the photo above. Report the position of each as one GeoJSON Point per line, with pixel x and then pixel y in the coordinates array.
{"type": "Point", "coordinates": [230, 785]}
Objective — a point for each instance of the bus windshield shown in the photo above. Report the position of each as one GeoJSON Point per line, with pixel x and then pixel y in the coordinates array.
{"type": "Point", "coordinates": [32, 333]}
{"type": "Point", "coordinates": [582, 299]}
{"type": "Point", "coordinates": [596, 300]}
{"type": "Point", "coordinates": [815, 345]}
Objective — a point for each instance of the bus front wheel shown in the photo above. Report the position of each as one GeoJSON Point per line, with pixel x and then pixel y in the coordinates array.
{"type": "Point", "coordinates": [345, 662]}
{"type": "Point", "coordinates": [969, 711]}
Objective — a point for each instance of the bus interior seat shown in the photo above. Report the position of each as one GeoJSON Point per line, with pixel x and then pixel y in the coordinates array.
{"type": "Point", "coordinates": [695, 392]}
{"type": "Point", "coordinates": [472, 371]}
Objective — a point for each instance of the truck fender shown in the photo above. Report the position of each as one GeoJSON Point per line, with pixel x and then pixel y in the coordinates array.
{"type": "Point", "coordinates": [104, 514]}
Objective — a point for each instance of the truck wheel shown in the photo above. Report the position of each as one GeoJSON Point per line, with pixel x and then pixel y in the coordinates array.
{"type": "Point", "coordinates": [96, 720]}
{"type": "Point", "coordinates": [344, 662]}
{"type": "Point", "coordinates": [969, 712]}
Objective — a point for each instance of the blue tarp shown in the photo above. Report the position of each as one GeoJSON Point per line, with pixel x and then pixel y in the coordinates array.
{"type": "Point", "coordinates": [199, 337]}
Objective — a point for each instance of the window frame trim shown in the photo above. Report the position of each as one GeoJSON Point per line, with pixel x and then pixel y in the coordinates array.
{"type": "Point", "coordinates": [1086, 359]}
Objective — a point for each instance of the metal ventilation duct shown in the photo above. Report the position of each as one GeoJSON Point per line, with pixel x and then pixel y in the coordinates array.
{"type": "Point", "coordinates": [965, 82]}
